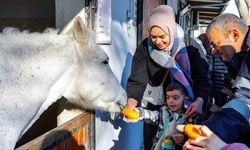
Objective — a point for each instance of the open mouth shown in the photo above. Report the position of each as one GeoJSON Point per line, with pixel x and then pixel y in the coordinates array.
{"type": "Point", "coordinates": [172, 106]}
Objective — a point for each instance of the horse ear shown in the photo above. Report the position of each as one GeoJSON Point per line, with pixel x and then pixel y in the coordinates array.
{"type": "Point", "coordinates": [80, 31]}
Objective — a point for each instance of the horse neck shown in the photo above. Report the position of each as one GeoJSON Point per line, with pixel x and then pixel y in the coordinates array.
{"type": "Point", "coordinates": [46, 54]}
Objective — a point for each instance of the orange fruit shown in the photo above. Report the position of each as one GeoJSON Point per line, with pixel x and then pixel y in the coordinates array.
{"type": "Point", "coordinates": [191, 131]}
{"type": "Point", "coordinates": [130, 114]}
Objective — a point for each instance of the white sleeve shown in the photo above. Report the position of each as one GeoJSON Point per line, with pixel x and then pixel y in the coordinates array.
{"type": "Point", "coordinates": [146, 114]}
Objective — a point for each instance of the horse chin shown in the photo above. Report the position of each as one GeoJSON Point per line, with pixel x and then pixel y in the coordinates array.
{"type": "Point", "coordinates": [122, 100]}
{"type": "Point", "coordinates": [114, 108]}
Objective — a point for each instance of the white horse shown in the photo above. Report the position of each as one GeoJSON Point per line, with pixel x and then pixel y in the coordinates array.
{"type": "Point", "coordinates": [36, 69]}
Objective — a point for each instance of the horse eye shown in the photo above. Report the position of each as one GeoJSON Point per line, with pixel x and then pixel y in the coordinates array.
{"type": "Point", "coordinates": [106, 61]}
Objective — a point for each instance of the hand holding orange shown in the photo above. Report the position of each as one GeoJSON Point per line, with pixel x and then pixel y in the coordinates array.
{"type": "Point", "coordinates": [191, 131]}
{"type": "Point", "coordinates": [130, 114]}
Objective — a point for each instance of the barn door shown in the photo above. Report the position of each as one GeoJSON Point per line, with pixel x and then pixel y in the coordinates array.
{"type": "Point", "coordinates": [27, 14]}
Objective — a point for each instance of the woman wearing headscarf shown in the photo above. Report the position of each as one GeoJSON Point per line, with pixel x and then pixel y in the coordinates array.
{"type": "Point", "coordinates": [154, 57]}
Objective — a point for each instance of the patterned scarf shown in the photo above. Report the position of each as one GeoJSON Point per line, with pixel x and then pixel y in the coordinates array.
{"type": "Point", "coordinates": [181, 67]}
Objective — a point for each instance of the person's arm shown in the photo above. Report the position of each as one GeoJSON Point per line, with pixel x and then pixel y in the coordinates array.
{"type": "Point", "coordinates": [149, 116]}
{"type": "Point", "coordinates": [208, 140]}
{"type": "Point", "coordinates": [235, 146]}
{"type": "Point", "coordinates": [138, 78]}
{"type": "Point", "coordinates": [199, 74]}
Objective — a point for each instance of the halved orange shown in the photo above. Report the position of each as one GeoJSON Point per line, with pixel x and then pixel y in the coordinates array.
{"type": "Point", "coordinates": [191, 131]}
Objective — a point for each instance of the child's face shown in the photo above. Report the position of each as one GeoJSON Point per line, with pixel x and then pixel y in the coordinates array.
{"type": "Point", "coordinates": [175, 100]}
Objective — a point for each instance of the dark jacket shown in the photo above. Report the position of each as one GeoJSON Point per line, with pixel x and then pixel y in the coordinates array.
{"type": "Point", "coordinates": [145, 70]}
{"type": "Point", "coordinates": [229, 123]}
{"type": "Point", "coordinates": [218, 72]}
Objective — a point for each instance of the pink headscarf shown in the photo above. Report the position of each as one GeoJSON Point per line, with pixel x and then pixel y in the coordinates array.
{"type": "Point", "coordinates": [163, 16]}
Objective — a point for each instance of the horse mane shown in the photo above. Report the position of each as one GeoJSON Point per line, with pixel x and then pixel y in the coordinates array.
{"type": "Point", "coordinates": [12, 39]}
{"type": "Point", "coordinates": [16, 31]}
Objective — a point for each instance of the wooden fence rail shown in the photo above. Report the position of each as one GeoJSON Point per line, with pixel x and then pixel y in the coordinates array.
{"type": "Point", "coordinates": [77, 134]}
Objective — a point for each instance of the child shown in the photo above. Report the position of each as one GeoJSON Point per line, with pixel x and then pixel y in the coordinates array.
{"type": "Point", "coordinates": [167, 118]}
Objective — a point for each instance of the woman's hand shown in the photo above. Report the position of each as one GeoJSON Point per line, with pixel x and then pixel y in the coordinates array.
{"type": "Point", "coordinates": [194, 109]}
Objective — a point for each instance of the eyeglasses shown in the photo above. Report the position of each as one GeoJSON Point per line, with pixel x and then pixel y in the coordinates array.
{"type": "Point", "coordinates": [213, 46]}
